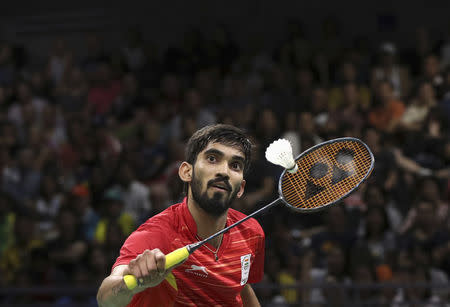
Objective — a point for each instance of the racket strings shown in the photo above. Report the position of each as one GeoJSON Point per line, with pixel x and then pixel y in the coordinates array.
{"type": "Point", "coordinates": [327, 174]}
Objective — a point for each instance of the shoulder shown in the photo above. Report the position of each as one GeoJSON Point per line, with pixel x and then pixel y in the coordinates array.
{"type": "Point", "coordinates": [251, 225]}
{"type": "Point", "coordinates": [156, 232]}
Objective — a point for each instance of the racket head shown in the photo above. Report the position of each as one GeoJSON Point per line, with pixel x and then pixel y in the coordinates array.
{"type": "Point", "coordinates": [327, 173]}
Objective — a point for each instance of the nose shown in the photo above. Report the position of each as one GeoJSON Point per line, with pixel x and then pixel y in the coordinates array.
{"type": "Point", "coordinates": [223, 169]}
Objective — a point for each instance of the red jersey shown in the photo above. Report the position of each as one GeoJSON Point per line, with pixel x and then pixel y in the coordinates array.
{"type": "Point", "coordinates": [201, 280]}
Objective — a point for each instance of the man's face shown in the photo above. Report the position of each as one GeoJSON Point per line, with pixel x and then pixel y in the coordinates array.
{"type": "Point", "coordinates": [217, 178]}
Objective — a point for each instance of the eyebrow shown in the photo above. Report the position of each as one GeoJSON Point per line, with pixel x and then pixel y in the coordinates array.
{"type": "Point", "coordinates": [220, 153]}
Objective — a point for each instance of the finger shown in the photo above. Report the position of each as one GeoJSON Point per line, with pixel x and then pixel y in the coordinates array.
{"type": "Point", "coordinates": [160, 260]}
{"type": "Point", "coordinates": [151, 264]}
{"type": "Point", "coordinates": [134, 267]}
{"type": "Point", "coordinates": [143, 263]}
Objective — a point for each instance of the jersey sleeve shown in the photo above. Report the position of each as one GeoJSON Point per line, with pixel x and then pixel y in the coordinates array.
{"type": "Point", "coordinates": [257, 268]}
{"type": "Point", "coordinates": [141, 240]}
{"type": "Point", "coordinates": [165, 293]}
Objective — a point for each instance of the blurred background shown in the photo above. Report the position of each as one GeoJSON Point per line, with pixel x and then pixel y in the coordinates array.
{"type": "Point", "coordinates": [97, 101]}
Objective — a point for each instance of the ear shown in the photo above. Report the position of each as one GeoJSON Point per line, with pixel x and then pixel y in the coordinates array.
{"type": "Point", "coordinates": [241, 189]}
{"type": "Point", "coordinates": [185, 172]}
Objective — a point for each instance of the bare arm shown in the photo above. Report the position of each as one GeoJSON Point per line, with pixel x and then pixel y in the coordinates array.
{"type": "Point", "coordinates": [249, 298]}
{"type": "Point", "coordinates": [113, 291]}
{"type": "Point", "coordinates": [148, 266]}
{"type": "Point", "coordinates": [409, 164]}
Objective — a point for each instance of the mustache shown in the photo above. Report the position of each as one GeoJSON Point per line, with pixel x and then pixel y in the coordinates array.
{"type": "Point", "coordinates": [220, 179]}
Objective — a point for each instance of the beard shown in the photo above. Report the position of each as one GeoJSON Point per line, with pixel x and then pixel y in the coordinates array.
{"type": "Point", "coordinates": [219, 202]}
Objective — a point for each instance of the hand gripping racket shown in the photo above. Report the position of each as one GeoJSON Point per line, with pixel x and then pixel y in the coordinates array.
{"type": "Point", "coordinates": [325, 174]}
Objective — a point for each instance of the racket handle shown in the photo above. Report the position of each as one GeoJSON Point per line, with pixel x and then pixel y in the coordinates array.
{"type": "Point", "coordinates": [172, 259]}
{"type": "Point", "coordinates": [130, 281]}
{"type": "Point", "coordinates": [176, 257]}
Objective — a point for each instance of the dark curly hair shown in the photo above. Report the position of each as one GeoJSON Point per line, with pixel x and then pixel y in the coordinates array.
{"type": "Point", "coordinates": [219, 133]}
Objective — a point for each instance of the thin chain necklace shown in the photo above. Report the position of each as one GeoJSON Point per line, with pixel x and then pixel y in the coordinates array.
{"type": "Point", "coordinates": [212, 251]}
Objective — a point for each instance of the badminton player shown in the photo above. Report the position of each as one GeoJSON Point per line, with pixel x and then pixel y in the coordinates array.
{"type": "Point", "coordinates": [220, 272]}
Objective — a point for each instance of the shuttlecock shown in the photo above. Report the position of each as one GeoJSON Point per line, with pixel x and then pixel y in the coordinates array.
{"type": "Point", "coordinates": [280, 152]}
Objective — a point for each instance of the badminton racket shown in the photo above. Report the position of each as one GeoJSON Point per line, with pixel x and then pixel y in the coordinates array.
{"type": "Point", "coordinates": [318, 178]}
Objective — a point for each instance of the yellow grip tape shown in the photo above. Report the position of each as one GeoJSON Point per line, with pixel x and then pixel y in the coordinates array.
{"type": "Point", "coordinates": [130, 281]}
{"type": "Point", "coordinates": [176, 257]}
{"type": "Point", "coordinates": [172, 259]}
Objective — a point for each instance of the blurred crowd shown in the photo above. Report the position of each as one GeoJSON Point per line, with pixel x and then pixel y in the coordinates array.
{"type": "Point", "coordinates": [90, 145]}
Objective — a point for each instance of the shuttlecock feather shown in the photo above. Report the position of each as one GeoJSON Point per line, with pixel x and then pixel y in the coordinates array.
{"type": "Point", "coordinates": [279, 152]}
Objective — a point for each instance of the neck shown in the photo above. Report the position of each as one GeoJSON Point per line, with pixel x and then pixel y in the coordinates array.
{"type": "Point", "coordinates": [207, 224]}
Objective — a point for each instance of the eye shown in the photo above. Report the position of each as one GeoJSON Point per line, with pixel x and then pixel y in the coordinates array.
{"type": "Point", "coordinates": [236, 166]}
{"type": "Point", "coordinates": [211, 158]}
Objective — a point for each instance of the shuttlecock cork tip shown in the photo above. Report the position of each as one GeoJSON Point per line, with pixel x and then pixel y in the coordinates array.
{"type": "Point", "coordinates": [294, 169]}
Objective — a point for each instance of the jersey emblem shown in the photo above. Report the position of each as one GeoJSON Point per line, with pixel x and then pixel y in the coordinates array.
{"type": "Point", "coordinates": [245, 268]}
{"type": "Point", "coordinates": [197, 270]}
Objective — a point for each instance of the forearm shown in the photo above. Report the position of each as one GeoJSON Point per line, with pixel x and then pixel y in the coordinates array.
{"type": "Point", "coordinates": [249, 298]}
{"type": "Point", "coordinates": [114, 293]}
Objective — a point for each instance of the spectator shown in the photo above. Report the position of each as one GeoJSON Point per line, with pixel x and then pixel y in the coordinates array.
{"type": "Point", "coordinates": [431, 72]}
{"type": "Point", "coordinates": [364, 274]}
{"type": "Point", "coordinates": [308, 131]}
{"type": "Point", "coordinates": [386, 115]}
{"type": "Point", "coordinates": [71, 92]}
{"type": "Point", "coordinates": [15, 257]}
{"type": "Point", "coordinates": [352, 110]}
{"type": "Point", "coordinates": [79, 200]}
{"type": "Point", "coordinates": [389, 69]}
{"type": "Point", "coordinates": [150, 154]}
{"type": "Point", "coordinates": [68, 247]}
{"type": "Point", "coordinates": [112, 214]}
{"type": "Point", "coordinates": [27, 108]}
{"type": "Point", "coordinates": [95, 55]}
{"type": "Point", "coordinates": [133, 52]}
{"type": "Point", "coordinates": [101, 96]}
{"type": "Point", "coordinates": [59, 61]}
{"type": "Point", "coordinates": [193, 107]}
{"type": "Point", "coordinates": [418, 109]}
{"type": "Point", "coordinates": [428, 190]}
{"type": "Point", "coordinates": [348, 74]}
{"type": "Point", "coordinates": [377, 236]}
{"type": "Point", "coordinates": [130, 99]}
{"type": "Point", "coordinates": [23, 179]}
{"type": "Point", "coordinates": [424, 233]}
{"type": "Point", "coordinates": [333, 273]}
{"type": "Point", "coordinates": [136, 196]}
{"type": "Point", "coordinates": [416, 295]}
{"type": "Point", "coordinates": [98, 263]}
{"type": "Point", "coordinates": [47, 206]}
{"type": "Point", "coordinates": [335, 233]}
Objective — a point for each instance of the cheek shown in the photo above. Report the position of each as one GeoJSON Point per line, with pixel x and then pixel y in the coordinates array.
{"type": "Point", "coordinates": [200, 174]}
{"type": "Point", "coordinates": [237, 183]}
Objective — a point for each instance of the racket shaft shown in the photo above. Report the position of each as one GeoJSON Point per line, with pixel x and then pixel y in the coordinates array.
{"type": "Point", "coordinates": [172, 259]}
